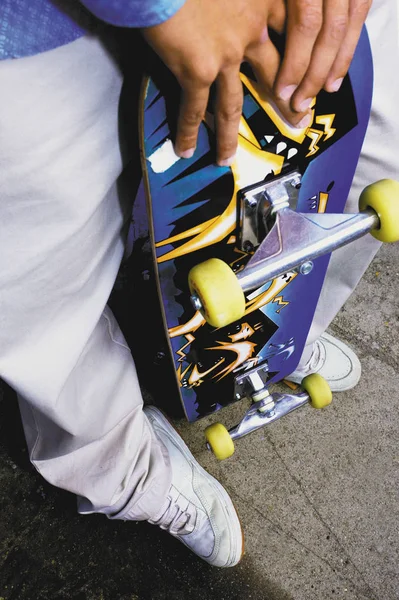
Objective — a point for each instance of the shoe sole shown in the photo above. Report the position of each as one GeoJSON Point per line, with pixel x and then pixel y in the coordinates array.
{"type": "Point", "coordinates": [335, 385]}
{"type": "Point", "coordinates": [227, 501]}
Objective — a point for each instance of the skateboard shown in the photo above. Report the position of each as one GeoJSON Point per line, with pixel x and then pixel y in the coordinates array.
{"type": "Point", "coordinates": [240, 253]}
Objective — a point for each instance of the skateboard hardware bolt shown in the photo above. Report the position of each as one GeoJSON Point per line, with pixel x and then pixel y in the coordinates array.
{"type": "Point", "coordinates": [238, 397]}
{"type": "Point", "coordinates": [267, 404]}
{"type": "Point", "coordinates": [196, 302]}
{"type": "Point", "coordinates": [262, 397]}
{"type": "Point", "coordinates": [184, 383]}
{"type": "Point", "coordinates": [251, 201]}
{"type": "Point", "coordinates": [306, 268]}
{"type": "Point", "coordinates": [296, 182]}
{"type": "Point", "coordinates": [160, 355]}
{"type": "Point", "coordinates": [248, 246]}
{"type": "Point", "coordinates": [146, 275]}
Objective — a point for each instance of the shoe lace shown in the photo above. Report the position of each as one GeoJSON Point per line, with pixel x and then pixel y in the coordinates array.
{"type": "Point", "coordinates": [175, 519]}
{"type": "Point", "coordinates": [313, 363]}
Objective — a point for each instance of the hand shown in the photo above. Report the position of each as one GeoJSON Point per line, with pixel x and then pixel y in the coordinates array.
{"type": "Point", "coordinates": [207, 40]}
{"type": "Point", "coordinates": [321, 39]}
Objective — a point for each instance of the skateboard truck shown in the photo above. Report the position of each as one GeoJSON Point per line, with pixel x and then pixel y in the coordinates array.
{"type": "Point", "coordinates": [288, 240]}
{"type": "Point", "coordinates": [285, 241]}
{"type": "Point", "coordinates": [266, 407]}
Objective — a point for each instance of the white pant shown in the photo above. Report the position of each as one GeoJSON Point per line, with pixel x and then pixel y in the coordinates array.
{"type": "Point", "coordinates": [62, 215]}
{"type": "Point", "coordinates": [379, 159]}
{"type": "Point", "coordinates": [62, 210]}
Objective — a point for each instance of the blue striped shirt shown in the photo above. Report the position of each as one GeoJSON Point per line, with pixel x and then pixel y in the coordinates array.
{"type": "Point", "coordinates": [28, 27]}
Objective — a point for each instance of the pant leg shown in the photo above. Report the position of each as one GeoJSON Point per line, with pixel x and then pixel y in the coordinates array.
{"type": "Point", "coordinates": [62, 215]}
{"type": "Point", "coordinates": [379, 159]}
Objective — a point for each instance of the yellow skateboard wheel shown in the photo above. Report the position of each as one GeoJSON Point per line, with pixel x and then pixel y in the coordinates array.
{"type": "Point", "coordinates": [220, 441]}
{"type": "Point", "coordinates": [318, 389]}
{"type": "Point", "coordinates": [219, 291]}
{"type": "Point", "coordinates": [383, 198]}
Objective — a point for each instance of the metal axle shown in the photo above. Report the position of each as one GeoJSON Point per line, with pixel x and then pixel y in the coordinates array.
{"type": "Point", "coordinates": [299, 238]}
{"type": "Point", "coordinates": [256, 417]}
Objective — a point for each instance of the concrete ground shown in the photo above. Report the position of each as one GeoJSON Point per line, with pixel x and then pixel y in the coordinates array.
{"type": "Point", "coordinates": [317, 493]}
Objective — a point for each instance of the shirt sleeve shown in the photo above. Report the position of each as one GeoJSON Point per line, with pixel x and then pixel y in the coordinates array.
{"type": "Point", "coordinates": [133, 13]}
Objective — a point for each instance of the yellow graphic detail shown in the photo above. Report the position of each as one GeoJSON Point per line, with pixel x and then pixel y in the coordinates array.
{"type": "Point", "coordinates": [181, 374]}
{"type": "Point", "coordinates": [315, 137]}
{"type": "Point", "coordinates": [323, 199]}
{"type": "Point", "coordinates": [246, 132]}
{"type": "Point", "coordinates": [240, 347]}
{"type": "Point", "coordinates": [192, 325]}
{"type": "Point", "coordinates": [190, 338]}
{"type": "Point", "coordinates": [245, 332]}
{"type": "Point", "coordinates": [292, 133]}
{"type": "Point", "coordinates": [326, 121]}
{"type": "Point", "coordinates": [185, 234]}
{"type": "Point", "coordinates": [268, 296]}
{"type": "Point", "coordinates": [243, 350]}
{"type": "Point", "coordinates": [197, 377]}
{"type": "Point", "coordinates": [254, 304]}
{"type": "Point", "coordinates": [281, 302]}
{"type": "Point", "coordinates": [242, 254]}
{"type": "Point", "coordinates": [251, 165]}
{"type": "Point", "coordinates": [319, 202]}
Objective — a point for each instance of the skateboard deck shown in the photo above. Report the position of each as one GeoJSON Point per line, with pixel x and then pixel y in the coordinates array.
{"type": "Point", "coordinates": [194, 214]}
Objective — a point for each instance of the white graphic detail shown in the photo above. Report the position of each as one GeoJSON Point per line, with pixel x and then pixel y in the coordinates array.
{"type": "Point", "coordinates": [280, 147]}
{"type": "Point", "coordinates": [163, 158]}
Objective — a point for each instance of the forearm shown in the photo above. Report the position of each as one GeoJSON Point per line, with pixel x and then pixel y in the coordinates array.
{"type": "Point", "coordinates": [133, 13]}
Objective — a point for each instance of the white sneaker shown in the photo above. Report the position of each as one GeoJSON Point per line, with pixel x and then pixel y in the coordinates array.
{"type": "Point", "coordinates": [198, 511]}
{"type": "Point", "coordinates": [334, 361]}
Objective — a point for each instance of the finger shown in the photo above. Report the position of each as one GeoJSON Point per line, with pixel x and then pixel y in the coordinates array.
{"type": "Point", "coordinates": [277, 17]}
{"type": "Point", "coordinates": [192, 110]}
{"type": "Point", "coordinates": [228, 111]}
{"type": "Point", "coordinates": [357, 15]}
{"type": "Point", "coordinates": [265, 61]}
{"type": "Point", "coordinates": [305, 18]}
{"type": "Point", "coordinates": [335, 24]}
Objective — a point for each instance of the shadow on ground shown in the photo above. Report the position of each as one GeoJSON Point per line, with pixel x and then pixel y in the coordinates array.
{"type": "Point", "coordinates": [317, 494]}
{"type": "Point", "coordinates": [49, 552]}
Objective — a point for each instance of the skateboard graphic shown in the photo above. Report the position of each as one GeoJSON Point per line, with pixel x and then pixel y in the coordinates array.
{"type": "Point", "coordinates": [240, 253]}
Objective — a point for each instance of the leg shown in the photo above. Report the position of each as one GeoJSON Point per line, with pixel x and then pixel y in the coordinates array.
{"type": "Point", "coordinates": [62, 217]}
{"type": "Point", "coordinates": [378, 160]}
{"type": "Point", "coordinates": [63, 208]}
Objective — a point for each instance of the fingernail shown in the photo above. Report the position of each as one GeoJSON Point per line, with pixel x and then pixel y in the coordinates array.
{"type": "Point", "coordinates": [304, 122]}
{"type": "Point", "coordinates": [227, 162]}
{"type": "Point", "coordinates": [187, 153]}
{"type": "Point", "coordinates": [304, 105]}
{"type": "Point", "coordinates": [287, 92]}
{"type": "Point", "coordinates": [264, 35]}
{"type": "Point", "coordinates": [337, 84]}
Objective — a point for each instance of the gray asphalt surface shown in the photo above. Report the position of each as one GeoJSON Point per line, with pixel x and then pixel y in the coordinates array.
{"type": "Point", "coordinates": [317, 493]}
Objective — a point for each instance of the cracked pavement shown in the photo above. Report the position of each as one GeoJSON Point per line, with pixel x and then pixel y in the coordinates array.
{"type": "Point", "coordinates": [317, 493]}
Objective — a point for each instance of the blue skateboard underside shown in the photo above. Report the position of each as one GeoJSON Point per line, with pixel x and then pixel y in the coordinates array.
{"type": "Point", "coordinates": [194, 218]}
